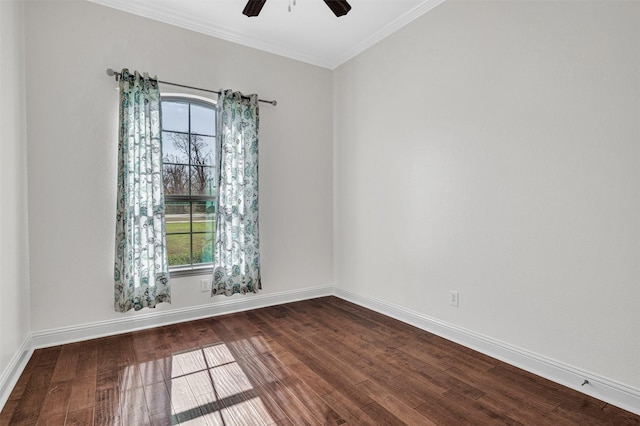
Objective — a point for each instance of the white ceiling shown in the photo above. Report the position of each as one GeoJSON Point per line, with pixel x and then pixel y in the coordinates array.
{"type": "Point", "coordinates": [309, 33]}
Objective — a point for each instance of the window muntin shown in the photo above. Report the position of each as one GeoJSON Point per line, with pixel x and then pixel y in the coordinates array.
{"type": "Point", "coordinates": [188, 143]}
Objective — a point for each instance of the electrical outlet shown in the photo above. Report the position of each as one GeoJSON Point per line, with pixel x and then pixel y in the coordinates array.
{"type": "Point", "coordinates": [454, 298]}
{"type": "Point", "coordinates": [204, 285]}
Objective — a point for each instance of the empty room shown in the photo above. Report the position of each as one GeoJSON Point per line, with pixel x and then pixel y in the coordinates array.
{"type": "Point", "coordinates": [289, 212]}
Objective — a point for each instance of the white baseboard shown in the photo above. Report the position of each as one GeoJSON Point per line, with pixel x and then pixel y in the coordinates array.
{"type": "Point", "coordinates": [221, 306]}
{"type": "Point", "coordinates": [11, 374]}
{"type": "Point", "coordinates": [599, 387]}
{"type": "Point", "coordinates": [607, 390]}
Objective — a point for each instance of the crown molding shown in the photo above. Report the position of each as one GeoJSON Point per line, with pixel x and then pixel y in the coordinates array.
{"type": "Point", "coordinates": [384, 32]}
{"type": "Point", "coordinates": [161, 13]}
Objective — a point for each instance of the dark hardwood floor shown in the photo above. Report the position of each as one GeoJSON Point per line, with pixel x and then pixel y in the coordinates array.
{"type": "Point", "coordinates": [320, 361]}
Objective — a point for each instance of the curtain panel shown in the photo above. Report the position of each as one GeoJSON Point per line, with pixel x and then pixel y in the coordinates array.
{"type": "Point", "coordinates": [236, 267]}
{"type": "Point", "coordinates": [141, 267]}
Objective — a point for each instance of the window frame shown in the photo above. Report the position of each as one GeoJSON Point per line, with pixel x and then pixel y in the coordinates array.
{"type": "Point", "coordinates": [197, 269]}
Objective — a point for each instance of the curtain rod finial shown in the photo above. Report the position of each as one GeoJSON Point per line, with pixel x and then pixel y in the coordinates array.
{"type": "Point", "coordinates": [112, 73]}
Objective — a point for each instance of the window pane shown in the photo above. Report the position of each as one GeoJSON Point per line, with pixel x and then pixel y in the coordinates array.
{"type": "Point", "coordinates": [202, 181]}
{"type": "Point", "coordinates": [175, 116]}
{"type": "Point", "coordinates": [203, 120]}
{"type": "Point", "coordinates": [203, 216]}
{"type": "Point", "coordinates": [179, 249]}
{"type": "Point", "coordinates": [177, 217]}
{"type": "Point", "coordinates": [175, 148]}
{"type": "Point", "coordinates": [188, 132]}
{"type": "Point", "coordinates": [203, 248]}
{"type": "Point", "coordinates": [176, 179]}
{"type": "Point", "coordinates": [202, 150]}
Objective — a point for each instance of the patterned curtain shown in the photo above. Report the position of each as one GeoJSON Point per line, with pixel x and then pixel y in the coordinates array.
{"type": "Point", "coordinates": [141, 267]}
{"type": "Point", "coordinates": [236, 267]}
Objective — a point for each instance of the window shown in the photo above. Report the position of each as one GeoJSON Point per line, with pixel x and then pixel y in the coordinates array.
{"type": "Point", "coordinates": [188, 144]}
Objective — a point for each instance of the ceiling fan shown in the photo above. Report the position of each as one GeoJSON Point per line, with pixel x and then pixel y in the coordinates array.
{"type": "Point", "coordinates": [338, 7]}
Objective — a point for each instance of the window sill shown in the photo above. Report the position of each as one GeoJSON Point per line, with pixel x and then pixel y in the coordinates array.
{"type": "Point", "coordinates": [188, 271]}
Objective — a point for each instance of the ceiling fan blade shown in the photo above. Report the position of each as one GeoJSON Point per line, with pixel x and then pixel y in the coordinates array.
{"type": "Point", "coordinates": [339, 7]}
{"type": "Point", "coordinates": [253, 7]}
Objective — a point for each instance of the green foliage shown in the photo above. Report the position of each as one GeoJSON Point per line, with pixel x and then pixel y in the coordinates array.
{"type": "Point", "coordinates": [179, 245]}
{"type": "Point", "coordinates": [179, 259]}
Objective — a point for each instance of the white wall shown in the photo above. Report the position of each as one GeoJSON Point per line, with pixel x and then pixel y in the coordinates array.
{"type": "Point", "coordinates": [72, 126]}
{"type": "Point", "coordinates": [14, 250]}
{"type": "Point", "coordinates": [494, 148]}
{"type": "Point", "coordinates": [488, 147]}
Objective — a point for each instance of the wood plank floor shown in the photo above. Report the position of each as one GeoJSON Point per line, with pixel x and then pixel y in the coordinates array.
{"type": "Point", "coordinates": [320, 361]}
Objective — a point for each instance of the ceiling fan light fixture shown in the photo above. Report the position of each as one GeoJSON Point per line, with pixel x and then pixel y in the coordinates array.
{"type": "Point", "coordinates": [253, 7]}
{"type": "Point", "coordinates": [338, 7]}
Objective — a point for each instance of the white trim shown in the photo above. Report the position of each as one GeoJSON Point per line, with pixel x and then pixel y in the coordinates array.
{"type": "Point", "coordinates": [384, 32]}
{"type": "Point", "coordinates": [221, 306]}
{"type": "Point", "coordinates": [599, 387]}
{"type": "Point", "coordinates": [236, 303]}
{"type": "Point", "coordinates": [189, 96]}
{"type": "Point", "coordinates": [615, 393]}
{"type": "Point", "coordinates": [12, 372]}
{"type": "Point", "coordinates": [158, 12]}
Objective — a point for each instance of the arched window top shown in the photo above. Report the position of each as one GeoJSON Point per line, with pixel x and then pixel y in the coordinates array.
{"type": "Point", "coordinates": [188, 97]}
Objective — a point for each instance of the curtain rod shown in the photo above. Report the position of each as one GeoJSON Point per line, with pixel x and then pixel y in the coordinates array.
{"type": "Point", "coordinates": [112, 73]}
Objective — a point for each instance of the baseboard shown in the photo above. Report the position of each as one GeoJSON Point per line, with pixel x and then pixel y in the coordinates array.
{"type": "Point", "coordinates": [221, 306]}
{"type": "Point", "coordinates": [11, 374]}
{"type": "Point", "coordinates": [599, 387]}
{"type": "Point", "coordinates": [607, 390]}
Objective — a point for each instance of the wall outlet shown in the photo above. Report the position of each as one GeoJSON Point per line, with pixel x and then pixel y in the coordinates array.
{"type": "Point", "coordinates": [454, 298]}
{"type": "Point", "coordinates": [204, 285]}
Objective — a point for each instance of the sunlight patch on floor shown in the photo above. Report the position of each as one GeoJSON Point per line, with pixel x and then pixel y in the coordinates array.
{"type": "Point", "coordinates": [208, 386]}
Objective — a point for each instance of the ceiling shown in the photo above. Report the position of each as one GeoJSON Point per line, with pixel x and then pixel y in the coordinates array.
{"type": "Point", "coordinates": [310, 32]}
